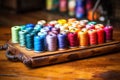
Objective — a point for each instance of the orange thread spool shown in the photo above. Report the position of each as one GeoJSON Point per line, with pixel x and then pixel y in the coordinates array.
{"type": "Point", "coordinates": [89, 15]}
{"type": "Point", "coordinates": [83, 38]}
{"type": "Point", "coordinates": [92, 37]}
{"type": "Point", "coordinates": [71, 20]}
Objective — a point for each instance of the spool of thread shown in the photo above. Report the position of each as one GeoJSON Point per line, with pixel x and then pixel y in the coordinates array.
{"type": "Point", "coordinates": [45, 29]}
{"type": "Point", "coordinates": [49, 4]}
{"type": "Point", "coordinates": [100, 35]}
{"type": "Point", "coordinates": [38, 27]}
{"type": "Point", "coordinates": [71, 7]}
{"type": "Point", "coordinates": [97, 26]}
{"type": "Point", "coordinates": [23, 27]}
{"type": "Point", "coordinates": [51, 42]}
{"type": "Point", "coordinates": [92, 22]}
{"type": "Point", "coordinates": [73, 39]}
{"type": "Point", "coordinates": [22, 37]}
{"type": "Point", "coordinates": [62, 21]}
{"type": "Point", "coordinates": [83, 22]}
{"type": "Point", "coordinates": [55, 30]}
{"type": "Point", "coordinates": [29, 41]}
{"type": "Point", "coordinates": [15, 34]}
{"type": "Point", "coordinates": [43, 35]}
{"type": "Point", "coordinates": [62, 41]}
{"type": "Point", "coordinates": [39, 45]}
{"type": "Point", "coordinates": [80, 9]}
{"type": "Point", "coordinates": [109, 33]}
{"type": "Point", "coordinates": [62, 5]}
{"type": "Point", "coordinates": [53, 22]}
{"type": "Point", "coordinates": [92, 37]}
{"type": "Point", "coordinates": [41, 22]}
{"type": "Point", "coordinates": [83, 38]}
{"type": "Point", "coordinates": [90, 26]}
{"type": "Point", "coordinates": [29, 27]}
{"type": "Point", "coordinates": [71, 20]}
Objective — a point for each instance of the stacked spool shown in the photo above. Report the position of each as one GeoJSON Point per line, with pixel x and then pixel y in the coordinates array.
{"type": "Point", "coordinates": [60, 34]}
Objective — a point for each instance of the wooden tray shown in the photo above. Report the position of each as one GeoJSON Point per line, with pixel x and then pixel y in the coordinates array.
{"type": "Point", "coordinates": [32, 59]}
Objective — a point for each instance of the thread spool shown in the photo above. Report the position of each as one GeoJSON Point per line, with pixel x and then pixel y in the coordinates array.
{"type": "Point", "coordinates": [90, 26]}
{"type": "Point", "coordinates": [73, 39]}
{"type": "Point", "coordinates": [43, 35]}
{"type": "Point", "coordinates": [63, 5]}
{"type": "Point", "coordinates": [62, 21]}
{"type": "Point", "coordinates": [51, 42]}
{"type": "Point", "coordinates": [22, 27]}
{"type": "Point", "coordinates": [83, 22]}
{"type": "Point", "coordinates": [92, 37]}
{"type": "Point", "coordinates": [92, 22]}
{"type": "Point", "coordinates": [62, 41]}
{"type": "Point", "coordinates": [100, 35]}
{"type": "Point", "coordinates": [71, 7]}
{"type": "Point", "coordinates": [29, 27]}
{"type": "Point", "coordinates": [45, 29]}
{"type": "Point", "coordinates": [22, 37]}
{"type": "Point", "coordinates": [53, 22]}
{"type": "Point", "coordinates": [80, 9]}
{"type": "Point", "coordinates": [109, 33]}
{"type": "Point", "coordinates": [15, 34]}
{"type": "Point", "coordinates": [97, 26]}
{"type": "Point", "coordinates": [83, 38]}
{"type": "Point", "coordinates": [39, 44]}
{"type": "Point", "coordinates": [55, 30]}
{"type": "Point", "coordinates": [29, 41]}
{"type": "Point", "coordinates": [71, 20]}
{"type": "Point", "coordinates": [38, 27]}
{"type": "Point", "coordinates": [41, 22]}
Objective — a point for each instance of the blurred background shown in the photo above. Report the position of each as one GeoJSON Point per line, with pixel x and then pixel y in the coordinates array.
{"type": "Point", "coordinates": [18, 12]}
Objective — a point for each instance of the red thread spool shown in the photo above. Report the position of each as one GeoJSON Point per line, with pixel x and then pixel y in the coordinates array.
{"type": "Point", "coordinates": [92, 37]}
{"type": "Point", "coordinates": [100, 35]}
{"type": "Point", "coordinates": [97, 26]}
{"type": "Point", "coordinates": [83, 38]}
{"type": "Point", "coordinates": [73, 39]}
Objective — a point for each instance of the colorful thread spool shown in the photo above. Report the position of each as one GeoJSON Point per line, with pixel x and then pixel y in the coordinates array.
{"type": "Point", "coordinates": [41, 22]}
{"type": "Point", "coordinates": [71, 7]}
{"type": "Point", "coordinates": [22, 37]}
{"type": "Point", "coordinates": [29, 41]}
{"type": "Point", "coordinates": [29, 27]}
{"type": "Point", "coordinates": [100, 35]}
{"type": "Point", "coordinates": [62, 5]}
{"type": "Point", "coordinates": [22, 27]}
{"type": "Point", "coordinates": [39, 45]}
{"type": "Point", "coordinates": [73, 39]}
{"type": "Point", "coordinates": [38, 27]}
{"type": "Point", "coordinates": [62, 41]}
{"type": "Point", "coordinates": [62, 21]}
{"type": "Point", "coordinates": [51, 42]}
{"type": "Point", "coordinates": [109, 33]}
{"type": "Point", "coordinates": [97, 26]}
{"type": "Point", "coordinates": [15, 34]}
{"type": "Point", "coordinates": [83, 38]}
{"type": "Point", "coordinates": [92, 37]}
{"type": "Point", "coordinates": [90, 26]}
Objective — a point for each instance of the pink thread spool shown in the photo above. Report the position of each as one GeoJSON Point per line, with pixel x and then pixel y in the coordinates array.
{"type": "Point", "coordinates": [90, 26]}
{"type": "Point", "coordinates": [109, 33]}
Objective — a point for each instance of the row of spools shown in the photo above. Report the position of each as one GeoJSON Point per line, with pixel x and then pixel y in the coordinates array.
{"type": "Point", "coordinates": [60, 34]}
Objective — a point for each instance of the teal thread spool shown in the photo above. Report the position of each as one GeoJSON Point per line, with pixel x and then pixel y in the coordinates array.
{"type": "Point", "coordinates": [15, 34]}
{"type": "Point", "coordinates": [29, 41]}
{"type": "Point", "coordinates": [22, 37]}
{"type": "Point", "coordinates": [22, 27]}
{"type": "Point", "coordinates": [38, 27]}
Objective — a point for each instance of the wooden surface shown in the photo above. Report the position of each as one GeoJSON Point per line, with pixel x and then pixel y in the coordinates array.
{"type": "Point", "coordinates": [105, 67]}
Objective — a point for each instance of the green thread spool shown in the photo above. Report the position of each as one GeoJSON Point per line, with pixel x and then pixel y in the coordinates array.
{"type": "Point", "coordinates": [15, 34]}
{"type": "Point", "coordinates": [22, 37]}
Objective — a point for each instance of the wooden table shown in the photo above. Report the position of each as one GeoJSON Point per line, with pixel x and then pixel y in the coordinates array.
{"type": "Point", "coordinates": [104, 67]}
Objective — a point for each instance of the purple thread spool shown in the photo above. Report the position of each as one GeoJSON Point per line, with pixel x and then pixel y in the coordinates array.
{"type": "Point", "coordinates": [51, 42]}
{"type": "Point", "coordinates": [109, 33]}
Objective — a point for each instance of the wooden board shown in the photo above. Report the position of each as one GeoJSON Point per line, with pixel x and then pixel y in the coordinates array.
{"type": "Point", "coordinates": [32, 59]}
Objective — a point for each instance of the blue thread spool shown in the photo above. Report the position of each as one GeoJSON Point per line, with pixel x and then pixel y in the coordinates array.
{"type": "Point", "coordinates": [38, 27]}
{"type": "Point", "coordinates": [38, 44]}
{"type": "Point", "coordinates": [29, 41]}
{"type": "Point", "coordinates": [80, 9]}
{"type": "Point", "coordinates": [29, 27]}
{"type": "Point", "coordinates": [62, 41]}
{"type": "Point", "coordinates": [43, 35]}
